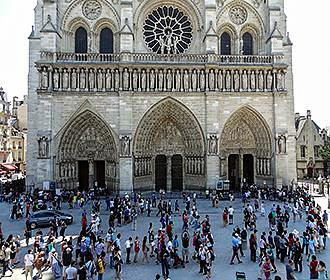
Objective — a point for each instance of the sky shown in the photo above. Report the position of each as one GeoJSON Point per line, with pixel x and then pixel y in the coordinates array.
{"type": "Point", "coordinates": [308, 23]}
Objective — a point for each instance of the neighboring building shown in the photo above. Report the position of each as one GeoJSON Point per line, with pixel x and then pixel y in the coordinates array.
{"type": "Point", "coordinates": [19, 111]}
{"type": "Point", "coordinates": [150, 95]}
{"type": "Point", "coordinates": [310, 139]}
{"type": "Point", "coordinates": [4, 126]}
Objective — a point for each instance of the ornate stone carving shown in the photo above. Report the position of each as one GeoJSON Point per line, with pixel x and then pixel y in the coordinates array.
{"type": "Point", "coordinates": [73, 79]}
{"type": "Point", "coordinates": [82, 79]}
{"type": "Point", "coordinates": [44, 79]}
{"type": "Point", "coordinates": [99, 79]}
{"type": "Point", "coordinates": [213, 144]}
{"type": "Point", "coordinates": [43, 144]}
{"type": "Point", "coordinates": [238, 14]}
{"type": "Point", "coordinates": [92, 9]}
{"type": "Point", "coordinates": [65, 79]}
{"type": "Point", "coordinates": [56, 79]}
{"type": "Point", "coordinates": [281, 144]}
{"type": "Point", "coordinates": [125, 146]}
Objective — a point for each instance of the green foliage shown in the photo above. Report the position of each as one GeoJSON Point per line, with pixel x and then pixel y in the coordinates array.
{"type": "Point", "coordinates": [325, 154]}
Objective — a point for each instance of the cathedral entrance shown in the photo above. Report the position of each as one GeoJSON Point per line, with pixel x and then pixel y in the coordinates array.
{"type": "Point", "coordinates": [83, 171]}
{"type": "Point", "coordinates": [233, 173]}
{"type": "Point", "coordinates": [246, 143]}
{"type": "Point", "coordinates": [161, 173]}
{"type": "Point", "coordinates": [87, 153]}
{"type": "Point", "coordinates": [177, 173]}
{"type": "Point", "coordinates": [248, 169]}
{"type": "Point", "coordinates": [100, 173]}
{"type": "Point", "coordinates": [169, 138]}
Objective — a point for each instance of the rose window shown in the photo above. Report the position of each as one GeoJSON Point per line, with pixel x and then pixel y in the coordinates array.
{"type": "Point", "coordinates": [167, 30]}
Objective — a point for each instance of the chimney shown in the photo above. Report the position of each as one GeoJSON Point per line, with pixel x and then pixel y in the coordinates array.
{"type": "Point", "coordinates": [309, 114]}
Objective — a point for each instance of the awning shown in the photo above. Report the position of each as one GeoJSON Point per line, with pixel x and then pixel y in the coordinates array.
{"type": "Point", "coordinates": [8, 166]}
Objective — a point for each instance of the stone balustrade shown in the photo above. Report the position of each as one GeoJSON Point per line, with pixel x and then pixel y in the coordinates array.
{"type": "Point", "coordinates": [160, 78]}
{"type": "Point", "coordinates": [61, 57]}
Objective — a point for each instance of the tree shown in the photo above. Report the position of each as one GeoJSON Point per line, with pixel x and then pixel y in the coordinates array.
{"type": "Point", "coordinates": [325, 154]}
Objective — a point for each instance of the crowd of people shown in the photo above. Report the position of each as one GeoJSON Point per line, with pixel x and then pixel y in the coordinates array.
{"type": "Point", "coordinates": [95, 250]}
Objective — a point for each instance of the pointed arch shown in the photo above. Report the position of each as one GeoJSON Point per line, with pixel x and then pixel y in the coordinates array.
{"type": "Point", "coordinates": [169, 112]}
{"type": "Point", "coordinates": [247, 130]}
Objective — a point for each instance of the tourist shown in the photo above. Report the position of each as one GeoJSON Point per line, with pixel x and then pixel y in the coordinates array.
{"type": "Point", "coordinates": [39, 263]}
{"type": "Point", "coordinates": [235, 247]}
{"type": "Point", "coordinates": [266, 269]}
{"type": "Point", "coordinates": [70, 272]}
{"type": "Point", "coordinates": [28, 264]}
{"type": "Point", "coordinates": [145, 250]}
{"type": "Point", "coordinates": [231, 214]}
{"type": "Point", "coordinates": [289, 271]}
{"type": "Point", "coordinates": [323, 273]}
{"type": "Point", "coordinates": [100, 266]}
{"type": "Point", "coordinates": [253, 248]}
{"type": "Point", "coordinates": [128, 245]}
{"type": "Point", "coordinates": [136, 249]}
{"type": "Point", "coordinates": [313, 268]}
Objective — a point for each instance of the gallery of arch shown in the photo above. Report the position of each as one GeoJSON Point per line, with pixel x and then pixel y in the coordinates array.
{"type": "Point", "coordinates": [147, 95]}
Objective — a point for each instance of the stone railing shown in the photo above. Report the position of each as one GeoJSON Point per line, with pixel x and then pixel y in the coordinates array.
{"type": "Point", "coordinates": [60, 57]}
{"type": "Point", "coordinates": [160, 78]}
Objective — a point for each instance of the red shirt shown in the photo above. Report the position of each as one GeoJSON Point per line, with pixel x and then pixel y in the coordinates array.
{"type": "Point", "coordinates": [313, 266]}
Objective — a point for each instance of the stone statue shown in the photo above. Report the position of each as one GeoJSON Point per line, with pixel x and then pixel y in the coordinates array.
{"type": "Point", "coordinates": [280, 77]}
{"type": "Point", "coordinates": [211, 80]}
{"type": "Point", "coordinates": [125, 146]}
{"type": "Point", "coordinates": [55, 79]}
{"type": "Point", "coordinates": [169, 80]}
{"type": "Point", "coordinates": [82, 79]}
{"type": "Point", "coordinates": [117, 80]}
{"type": "Point", "coordinates": [228, 81]}
{"type": "Point", "coordinates": [143, 80]}
{"type": "Point", "coordinates": [202, 80]}
{"type": "Point", "coordinates": [43, 147]}
{"type": "Point", "coordinates": [213, 145]}
{"type": "Point", "coordinates": [125, 80]}
{"type": "Point", "coordinates": [241, 47]}
{"type": "Point", "coordinates": [160, 80]}
{"type": "Point", "coordinates": [281, 141]}
{"type": "Point", "coordinates": [261, 80]}
{"type": "Point", "coordinates": [220, 80]}
{"type": "Point", "coordinates": [175, 44]}
{"type": "Point", "coordinates": [44, 79]}
{"type": "Point", "coordinates": [253, 81]}
{"type": "Point", "coordinates": [244, 81]}
{"type": "Point", "coordinates": [236, 81]}
{"type": "Point", "coordinates": [152, 79]}
{"type": "Point", "coordinates": [194, 80]}
{"type": "Point", "coordinates": [177, 80]}
{"type": "Point", "coordinates": [270, 81]}
{"type": "Point", "coordinates": [91, 79]}
{"type": "Point", "coordinates": [90, 43]}
{"type": "Point", "coordinates": [135, 80]}
{"type": "Point", "coordinates": [74, 79]}
{"type": "Point", "coordinates": [99, 79]}
{"type": "Point", "coordinates": [162, 45]}
{"type": "Point", "coordinates": [186, 80]}
{"type": "Point", "coordinates": [108, 79]}
{"type": "Point", "coordinates": [65, 79]}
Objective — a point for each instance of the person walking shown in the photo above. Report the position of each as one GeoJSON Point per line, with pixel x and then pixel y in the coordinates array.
{"type": "Point", "coordinates": [313, 268]}
{"type": "Point", "coordinates": [28, 264]}
{"type": "Point", "coordinates": [128, 245]}
{"type": "Point", "coordinates": [231, 214]}
{"type": "Point", "coordinates": [253, 248]}
{"type": "Point", "coordinates": [185, 246]}
{"type": "Point", "coordinates": [289, 271]}
{"type": "Point", "coordinates": [145, 249]}
{"type": "Point", "coordinates": [70, 272]}
{"type": "Point", "coordinates": [136, 249]}
{"type": "Point", "coordinates": [100, 267]}
{"type": "Point", "coordinates": [323, 273]}
{"type": "Point", "coordinates": [235, 246]}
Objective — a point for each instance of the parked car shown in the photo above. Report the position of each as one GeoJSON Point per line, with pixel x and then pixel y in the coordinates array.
{"type": "Point", "coordinates": [44, 218]}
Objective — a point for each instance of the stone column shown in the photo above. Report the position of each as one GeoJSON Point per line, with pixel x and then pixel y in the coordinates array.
{"type": "Point", "coordinates": [241, 165]}
{"type": "Point", "coordinates": [91, 173]}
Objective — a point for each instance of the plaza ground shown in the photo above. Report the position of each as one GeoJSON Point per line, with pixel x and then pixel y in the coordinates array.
{"type": "Point", "coordinates": [222, 270]}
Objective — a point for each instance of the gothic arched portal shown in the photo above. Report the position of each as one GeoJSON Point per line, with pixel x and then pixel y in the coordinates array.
{"type": "Point", "coordinates": [169, 134]}
{"type": "Point", "coordinates": [87, 154]}
{"type": "Point", "coordinates": [246, 148]}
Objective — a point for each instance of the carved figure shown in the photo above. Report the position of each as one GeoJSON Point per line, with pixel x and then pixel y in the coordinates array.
{"type": "Point", "coordinates": [65, 79]}
{"type": "Point", "coordinates": [43, 147]}
{"type": "Point", "coordinates": [108, 79]}
{"type": "Point", "coordinates": [44, 79]}
{"type": "Point", "coordinates": [126, 80]}
{"type": "Point", "coordinates": [152, 79]}
{"type": "Point", "coordinates": [117, 80]}
{"type": "Point", "coordinates": [125, 146]}
{"type": "Point", "coordinates": [202, 80]}
{"type": "Point", "coordinates": [261, 80]}
{"type": "Point", "coordinates": [253, 81]}
{"type": "Point", "coordinates": [220, 80]}
{"type": "Point", "coordinates": [169, 80]}
{"type": "Point", "coordinates": [55, 79]}
{"type": "Point", "coordinates": [228, 81]}
{"type": "Point", "coordinates": [135, 79]}
{"type": "Point", "coordinates": [244, 80]}
{"type": "Point", "coordinates": [73, 79]}
{"type": "Point", "coordinates": [143, 80]}
{"type": "Point", "coordinates": [99, 79]}
{"type": "Point", "coordinates": [270, 81]}
{"type": "Point", "coordinates": [236, 81]}
{"type": "Point", "coordinates": [82, 79]}
{"type": "Point", "coordinates": [281, 144]}
{"type": "Point", "coordinates": [162, 45]}
{"type": "Point", "coordinates": [177, 80]}
{"type": "Point", "coordinates": [91, 79]}
{"type": "Point", "coordinates": [194, 80]}
{"type": "Point", "coordinates": [211, 80]}
{"type": "Point", "coordinates": [160, 80]}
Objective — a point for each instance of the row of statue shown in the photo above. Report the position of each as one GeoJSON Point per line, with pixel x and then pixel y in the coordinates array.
{"type": "Point", "coordinates": [142, 167]}
{"type": "Point", "coordinates": [263, 166]}
{"type": "Point", "coordinates": [195, 165]}
{"type": "Point", "coordinates": [161, 80]}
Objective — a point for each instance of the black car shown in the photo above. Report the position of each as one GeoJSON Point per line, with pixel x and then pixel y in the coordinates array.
{"type": "Point", "coordinates": [44, 218]}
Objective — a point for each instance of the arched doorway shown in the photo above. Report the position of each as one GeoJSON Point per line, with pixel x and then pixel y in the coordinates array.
{"type": "Point", "coordinates": [246, 149]}
{"type": "Point", "coordinates": [87, 154]}
{"type": "Point", "coordinates": [177, 173]}
{"type": "Point", "coordinates": [161, 173]}
{"type": "Point", "coordinates": [169, 130]}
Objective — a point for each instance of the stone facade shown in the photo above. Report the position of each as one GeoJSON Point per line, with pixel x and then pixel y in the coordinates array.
{"type": "Point", "coordinates": [310, 139]}
{"type": "Point", "coordinates": [167, 108]}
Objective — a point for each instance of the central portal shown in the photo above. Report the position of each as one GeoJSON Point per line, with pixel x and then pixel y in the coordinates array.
{"type": "Point", "coordinates": [177, 173]}
{"type": "Point", "coordinates": [161, 173]}
{"type": "Point", "coordinates": [83, 172]}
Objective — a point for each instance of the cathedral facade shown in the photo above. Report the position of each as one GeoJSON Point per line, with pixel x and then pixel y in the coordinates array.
{"type": "Point", "coordinates": [147, 95]}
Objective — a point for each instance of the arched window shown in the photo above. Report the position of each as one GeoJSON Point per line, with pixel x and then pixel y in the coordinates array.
{"type": "Point", "coordinates": [81, 40]}
{"type": "Point", "coordinates": [225, 44]}
{"type": "Point", "coordinates": [247, 44]}
{"type": "Point", "coordinates": [106, 41]}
